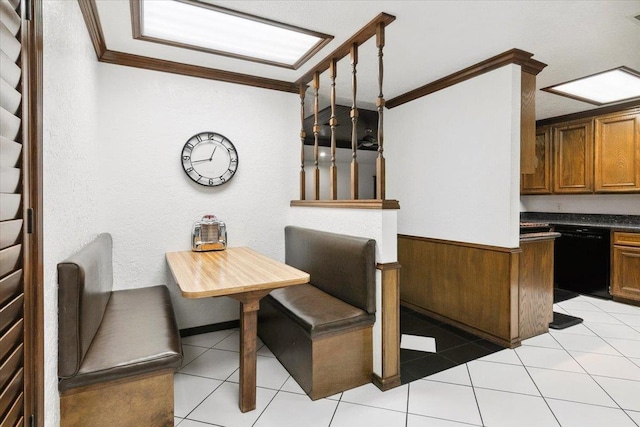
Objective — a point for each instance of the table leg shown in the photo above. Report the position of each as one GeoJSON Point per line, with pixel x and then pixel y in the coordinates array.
{"type": "Point", "coordinates": [249, 305]}
{"type": "Point", "coordinates": [248, 331]}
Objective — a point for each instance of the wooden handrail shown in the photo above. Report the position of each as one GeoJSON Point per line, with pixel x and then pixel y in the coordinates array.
{"type": "Point", "coordinates": [368, 31]}
{"type": "Point", "coordinates": [375, 27]}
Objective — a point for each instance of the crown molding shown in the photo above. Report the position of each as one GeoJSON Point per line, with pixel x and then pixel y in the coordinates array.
{"type": "Point", "coordinates": [513, 56]}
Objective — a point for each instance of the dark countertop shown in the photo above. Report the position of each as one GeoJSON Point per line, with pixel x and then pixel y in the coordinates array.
{"type": "Point", "coordinates": [615, 222]}
{"type": "Point", "coordinates": [533, 237]}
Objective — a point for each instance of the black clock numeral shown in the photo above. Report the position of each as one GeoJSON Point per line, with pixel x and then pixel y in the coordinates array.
{"type": "Point", "coordinates": [190, 170]}
{"type": "Point", "coordinates": [210, 181]}
{"type": "Point", "coordinates": [188, 146]}
{"type": "Point", "coordinates": [234, 160]}
{"type": "Point", "coordinates": [186, 157]}
{"type": "Point", "coordinates": [223, 179]}
{"type": "Point", "coordinates": [199, 138]}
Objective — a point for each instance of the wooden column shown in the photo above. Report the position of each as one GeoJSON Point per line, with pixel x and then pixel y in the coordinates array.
{"type": "Point", "coordinates": [528, 123]}
{"type": "Point", "coordinates": [303, 135]}
{"type": "Point", "coordinates": [380, 161]}
{"type": "Point", "coordinates": [390, 317]}
{"type": "Point", "coordinates": [333, 122]}
{"type": "Point", "coordinates": [316, 131]}
{"type": "Point", "coordinates": [354, 120]}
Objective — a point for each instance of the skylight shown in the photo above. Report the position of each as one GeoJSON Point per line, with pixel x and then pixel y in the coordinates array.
{"type": "Point", "coordinates": [607, 87]}
{"type": "Point", "coordinates": [205, 27]}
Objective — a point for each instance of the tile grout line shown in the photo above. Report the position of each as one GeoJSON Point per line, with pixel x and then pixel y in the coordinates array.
{"type": "Point", "coordinates": [599, 385]}
{"type": "Point", "coordinates": [603, 339]}
{"type": "Point", "coordinates": [335, 411]}
{"type": "Point", "coordinates": [406, 415]}
{"type": "Point", "coordinates": [475, 396]}
{"type": "Point", "coordinates": [544, 399]}
{"type": "Point", "coordinates": [266, 406]}
{"type": "Point", "coordinates": [594, 380]}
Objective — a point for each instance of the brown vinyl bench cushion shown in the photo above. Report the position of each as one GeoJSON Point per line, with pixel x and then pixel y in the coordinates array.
{"type": "Point", "coordinates": [340, 265]}
{"type": "Point", "coordinates": [318, 312]}
{"type": "Point", "coordinates": [106, 335]}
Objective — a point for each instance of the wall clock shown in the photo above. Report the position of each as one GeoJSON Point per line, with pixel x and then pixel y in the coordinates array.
{"type": "Point", "coordinates": [209, 158]}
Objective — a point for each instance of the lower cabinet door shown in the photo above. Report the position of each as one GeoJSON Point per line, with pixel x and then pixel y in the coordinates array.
{"type": "Point", "coordinates": [625, 279]}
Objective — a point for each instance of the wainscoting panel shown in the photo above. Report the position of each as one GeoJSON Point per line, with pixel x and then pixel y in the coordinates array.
{"type": "Point", "coordinates": [474, 287]}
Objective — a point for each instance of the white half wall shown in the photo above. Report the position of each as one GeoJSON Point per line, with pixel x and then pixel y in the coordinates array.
{"type": "Point", "coordinates": [380, 225]}
{"type": "Point", "coordinates": [453, 160]}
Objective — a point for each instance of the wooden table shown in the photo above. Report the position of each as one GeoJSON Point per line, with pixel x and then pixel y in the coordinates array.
{"type": "Point", "coordinates": [242, 274]}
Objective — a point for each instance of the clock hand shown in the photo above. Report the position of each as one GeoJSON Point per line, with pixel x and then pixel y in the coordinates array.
{"type": "Point", "coordinates": [200, 161]}
{"type": "Point", "coordinates": [214, 150]}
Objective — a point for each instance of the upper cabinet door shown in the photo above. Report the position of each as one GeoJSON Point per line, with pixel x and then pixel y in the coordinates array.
{"type": "Point", "coordinates": [539, 182]}
{"type": "Point", "coordinates": [573, 157]}
{"type": "Point", "coordinates": [617, 153]}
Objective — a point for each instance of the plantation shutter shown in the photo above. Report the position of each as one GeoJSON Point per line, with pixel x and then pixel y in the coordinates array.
{"type": "Point", "coordinates": [12, 224]}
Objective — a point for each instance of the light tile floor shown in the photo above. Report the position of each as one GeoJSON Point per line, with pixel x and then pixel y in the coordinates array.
{"type": "Point", "coordinates": [582, 376]}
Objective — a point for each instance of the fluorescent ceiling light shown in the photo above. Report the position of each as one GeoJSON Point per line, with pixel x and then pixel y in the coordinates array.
{"type": "Point", "coordinates": [205, 27]}
{"type": "Point", "coordinates": [603, 88]}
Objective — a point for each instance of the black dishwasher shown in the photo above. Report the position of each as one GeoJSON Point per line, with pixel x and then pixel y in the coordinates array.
{"type": "Point", "coordinates": [581, 260]}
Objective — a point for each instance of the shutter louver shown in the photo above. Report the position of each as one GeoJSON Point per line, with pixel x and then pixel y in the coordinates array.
{"type": "Point", "coordinates": [12, 366]}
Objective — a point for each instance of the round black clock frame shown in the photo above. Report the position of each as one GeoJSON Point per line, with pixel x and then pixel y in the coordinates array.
{"type": "Point", "coordinates": [209, 159]}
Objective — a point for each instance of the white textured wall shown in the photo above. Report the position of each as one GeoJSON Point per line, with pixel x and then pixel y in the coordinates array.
{"type": "Point", "coordinates": [71, 163]}
{"type": "Point", "coordinates": [615, 204]}
{"type": "Point", "coordinates": [112, 142]}
{"type": "Point", "coordinates": [380, 225]}
{"type": "Point", "coordinates": [453, 161]}
{"type": "Point", "coordinates": [149, 202]}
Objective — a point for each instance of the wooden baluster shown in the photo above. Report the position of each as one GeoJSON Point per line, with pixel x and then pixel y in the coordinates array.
{"type": "Point", "coordinates": [316, 131]}
{"type": "Point", "coordinates": [354, 120]}
{"type": "Point", "coordinates": [303, 135]}
{"type": "Point", "coordinates": [333, 122]}
{"type": "Point", "coordinates": [380, 161]}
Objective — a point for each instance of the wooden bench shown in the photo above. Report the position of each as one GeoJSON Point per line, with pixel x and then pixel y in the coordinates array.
{"type": "Point", "coordinates": [117, 350]}
{"type": "Point", "coordinates": [322, 331]}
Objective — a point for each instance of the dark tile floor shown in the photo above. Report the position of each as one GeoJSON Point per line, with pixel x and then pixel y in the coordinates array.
{"type": "Point", "coordinates": [453, 346]}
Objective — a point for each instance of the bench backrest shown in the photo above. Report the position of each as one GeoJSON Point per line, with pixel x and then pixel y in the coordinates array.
{"type": "Point", "coordinates": [343, 266]}
{"type": "Point", "coordinates": [85, 281]}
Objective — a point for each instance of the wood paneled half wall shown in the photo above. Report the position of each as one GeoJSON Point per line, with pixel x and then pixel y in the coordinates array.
{"type": "Point", "coordinates": [474, 287]}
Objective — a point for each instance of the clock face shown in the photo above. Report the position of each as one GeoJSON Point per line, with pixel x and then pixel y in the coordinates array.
{"type": "Point", "coordinates": [209, 158]}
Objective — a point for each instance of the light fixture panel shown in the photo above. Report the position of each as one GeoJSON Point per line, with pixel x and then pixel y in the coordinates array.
{"type": "Point", "coordinates": [202, 26]}
{"type": "Point", "coordinates": [607, 87]}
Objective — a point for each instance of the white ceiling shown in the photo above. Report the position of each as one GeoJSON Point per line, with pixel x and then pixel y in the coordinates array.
{"type": "Point", "coordinates": [429, 40]}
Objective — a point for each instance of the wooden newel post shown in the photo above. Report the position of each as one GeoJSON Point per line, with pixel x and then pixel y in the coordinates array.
{"type": "Point", "coordinates": [380, 161]}
{"type": "Point", "coordinates": [333, 122]}
{"type": "Point", "coordinates": [354, 121]}
{"type": "Point", "coordinates": [316, 131]}
{"type": "Point", "coordinates": [303, 135]}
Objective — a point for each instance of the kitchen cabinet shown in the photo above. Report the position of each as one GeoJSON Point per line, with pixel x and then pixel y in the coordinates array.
{"type": "Point", "coordinates": [625, 266]}
{"type": "Point", "coordinates": [617, 153]}
{"type": "Point", "coordinates": [595, 151]}
{"type": "Point", "coordinates": [573, 157]}
{"type": "Point", "coordinates": [539, 182]}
